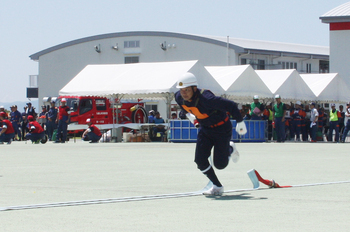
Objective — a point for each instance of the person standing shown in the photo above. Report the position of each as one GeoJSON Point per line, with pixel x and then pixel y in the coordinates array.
{"type": "Point", "coordinates": [347, 126]}
{"type": "Point", "coordinates": [7, 133]}
{"type": "Point", "coordinates": [341, 121]}
{"type": "Point", "coordinates": [15, 118]}
{"type": "Point", "coordinates": [268, 115]}
{"type": "Point", "coordinates": [313, 121]}
{"type": "Point", "coordinates": [334, 116]}
{"type": "Point", "coordinates": [42, 116]}
{"type": "Point", "coordinates": [30, 110]}
{"type": "Point", "coordinates": [279, 110]}
{"type": "Point", "coordinates": [256, 109]}
{"type": "Point", "coordinates": [215, 130]}
{"type": "Point", "coordinates": [298, 118]}
{"type": "Point", "coordinates": [62, 120]}
{"type": "Point", "coordinates": [92, 134]}
{"type": "Point", "coordinates": [51, 117]}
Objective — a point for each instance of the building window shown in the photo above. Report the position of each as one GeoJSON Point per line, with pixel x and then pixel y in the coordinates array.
{"type": "Point", "coordinates": [243, 61]}
{"type": "Point", "coordinates": [131, 59]}
{"type": "Point", "coordinates": [101, 104]}
{"type": "Point", "coordinates": [324, 66]}
{"type": "Point", "coordinates": [150, 107]}
{"type": "Point", "coordinates": [308, 68]}
{"type": "Point", "coordinates": [261, 65]}
{"type": "Point", "coordinates": [288, 65]}
{"type": "Point", "coordinates": [132, 44]}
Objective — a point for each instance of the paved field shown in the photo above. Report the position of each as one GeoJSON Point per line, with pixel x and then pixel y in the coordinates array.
{"type": "Point", "coordinates": [40, 174]}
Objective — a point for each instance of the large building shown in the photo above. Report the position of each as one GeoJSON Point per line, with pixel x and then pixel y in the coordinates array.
{"type": "Point", "coordinates": [339, 37]}
{"type": "Point", "coordinates": [61, 63]}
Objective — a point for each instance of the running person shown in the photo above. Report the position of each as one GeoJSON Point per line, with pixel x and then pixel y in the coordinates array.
{"type": "Point", "coordinates": [216, 128]}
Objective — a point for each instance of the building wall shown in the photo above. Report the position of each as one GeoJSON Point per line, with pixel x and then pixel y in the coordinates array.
{"type": "Point", "coordinates": [340, 53]}
{"type": "Point", "coordinates": [57, 68]}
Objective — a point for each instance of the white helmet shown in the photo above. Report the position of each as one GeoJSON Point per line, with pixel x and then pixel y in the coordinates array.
{"type": "Point", "coordinates": [188, 79]}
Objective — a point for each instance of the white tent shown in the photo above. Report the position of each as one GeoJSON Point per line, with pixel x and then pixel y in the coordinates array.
{"type": "Point", "coordinates": [139, 80]}
{"type": "Point", "coordinates": [327, 87]}
{"type": "Point", "coordinates": [239, 81]}
{"type": "Point", "coordinates": [287, 83]}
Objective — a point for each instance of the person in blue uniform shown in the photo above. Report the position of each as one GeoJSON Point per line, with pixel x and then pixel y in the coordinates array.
{"type": "Point", "coordinates": [51, 117]}
{"type": "Point", "coordinates": [211, 115]}
{"type": "Point", "coordinates": [15, 118]}
{"type": "Point", "coordinates": [151, 116]}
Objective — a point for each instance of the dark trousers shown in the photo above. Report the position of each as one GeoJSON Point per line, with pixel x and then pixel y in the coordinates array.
{"type": "Point", "coordinates": [346, 130]}
{"type": "Point", "coordinates": [62, 131]}
{"type": "Point", "coordinates": [24, 129]}
{"type": "Point", "coordinates": [313, 130]}
{"type": "Point", "coordinates": [16, 128]}
{"type": "Point", "coordinates": [91, 136]}
{"type": "Point", "coordinates": [333, 125]}
{"type": "Point", "coordinates": [219, 138]}
{"type": "Point", "coordinates": [296, 128]}
{"type": "Point", "coordinates": [35, 136]}
{"type": "Point", "coordinates": [6, 137]}
{"type": "Point", "coordinates": [50, 127]}
{"type": "Point", "coordinates": [280, 129]}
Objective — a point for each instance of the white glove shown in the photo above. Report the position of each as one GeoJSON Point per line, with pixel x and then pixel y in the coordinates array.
{"type": "Point", "coordinates": [193, 119]}
{"type": "Point", "coordinates": [241, 129]}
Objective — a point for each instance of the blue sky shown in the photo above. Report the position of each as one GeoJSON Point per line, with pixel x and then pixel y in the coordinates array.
{"type": "Point", "coordinates": [28, 27]}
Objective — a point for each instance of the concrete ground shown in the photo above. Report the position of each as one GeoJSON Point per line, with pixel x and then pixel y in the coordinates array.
{"type": "Point", "coordinates": [49, 173]}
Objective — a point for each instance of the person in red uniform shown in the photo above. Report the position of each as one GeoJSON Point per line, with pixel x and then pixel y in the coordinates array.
{"type": "Point", "coordinates": [211, 115]}
{"type": "Point", "coordinates": [7, 132]}
{"type": "Point", "coordinates": [92, 134]}
{"type": "Point", "coordinates": [62, 120]}
{"type": "Point", "coordinates": [36, 132]}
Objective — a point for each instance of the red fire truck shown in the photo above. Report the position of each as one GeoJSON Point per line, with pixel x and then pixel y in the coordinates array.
{"type": "Point", "coordinates": [102, 110]}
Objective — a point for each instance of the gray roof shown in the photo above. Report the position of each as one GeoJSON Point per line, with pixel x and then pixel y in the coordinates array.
{"type": "Point", "coordinates": [239, 45]}
{"type": "Point", "coordinates": [338, 14]}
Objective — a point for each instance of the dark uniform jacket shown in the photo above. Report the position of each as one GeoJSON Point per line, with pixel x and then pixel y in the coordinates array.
{"type": "Point", "coordinates": [209, 109]}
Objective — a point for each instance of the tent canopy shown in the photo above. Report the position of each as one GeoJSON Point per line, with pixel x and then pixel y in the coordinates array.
{"type": "Point", "coordinates": [327, 86]}
{"type": "Point", "coordinates": [239, 81]}
{"type": "Point", "coordinates": [287, 83]}
{"type": "Point", "coordinates": [158, 80]}
{"type": "Point", "coordinates": [140, 80]}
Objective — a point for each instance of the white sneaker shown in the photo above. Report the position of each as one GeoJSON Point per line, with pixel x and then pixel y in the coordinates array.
{"type": "Point", "coordinates": [214, 191]}
{"type": "Point", "coordinates": [235, 153]}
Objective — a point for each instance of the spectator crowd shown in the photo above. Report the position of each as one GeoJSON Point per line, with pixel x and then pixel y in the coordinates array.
{"type": "Point", "coordinates": [293, 121]}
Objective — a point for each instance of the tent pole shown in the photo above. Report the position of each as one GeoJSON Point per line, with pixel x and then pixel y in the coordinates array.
{"type": "Point", "coordinates": [169, 98]}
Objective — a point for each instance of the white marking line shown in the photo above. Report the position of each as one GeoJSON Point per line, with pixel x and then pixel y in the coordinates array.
{"type": "Point", "coordinates": [143, 198]}
{"type": "Point", "coordinates": [325, 183]}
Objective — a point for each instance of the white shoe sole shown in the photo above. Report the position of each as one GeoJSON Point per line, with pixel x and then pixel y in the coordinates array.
{"type": "Point", "coordinates": [212, 192]}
